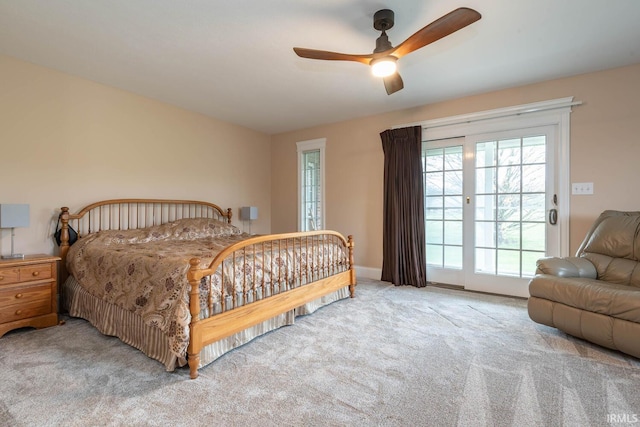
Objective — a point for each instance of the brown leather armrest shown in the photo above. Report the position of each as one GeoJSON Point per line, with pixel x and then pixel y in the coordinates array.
{"type": "Point", "coordinates": [566, 267]}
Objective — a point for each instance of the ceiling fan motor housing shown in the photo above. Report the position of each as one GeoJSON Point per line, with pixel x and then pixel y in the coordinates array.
{"type": "Point", "coordinates": [383, 20]}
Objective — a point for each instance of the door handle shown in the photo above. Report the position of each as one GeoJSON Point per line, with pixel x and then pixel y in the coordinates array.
{"type": "Point", "coordinates": [553, 216]}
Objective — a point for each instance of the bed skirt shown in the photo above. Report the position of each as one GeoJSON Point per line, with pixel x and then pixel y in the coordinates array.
{"type": "Point", "coordinates": [113, 320]}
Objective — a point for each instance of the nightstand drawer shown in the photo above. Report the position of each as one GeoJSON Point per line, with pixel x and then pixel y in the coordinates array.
{"type": "Point", "coordinates": [23, 294]}
{"type": "Point", "coordinates": [35, 272]}
{"type": "Point", "coordinates": [9, 275]}
{"type": "Point", "coordinates": [24, 310]}
{"type": "Point", "coordinates": [25, 274]}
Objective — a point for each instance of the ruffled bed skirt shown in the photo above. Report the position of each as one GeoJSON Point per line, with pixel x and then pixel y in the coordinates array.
{"type": "Point", "coordinates": [115, 321]}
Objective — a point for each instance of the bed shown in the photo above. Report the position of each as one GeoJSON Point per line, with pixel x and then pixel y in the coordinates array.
{"type": "Point", "coordinates": [175, 279]}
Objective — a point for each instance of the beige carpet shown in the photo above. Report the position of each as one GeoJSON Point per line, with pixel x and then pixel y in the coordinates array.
{"type": "Point", "coordinates": [393, 356]}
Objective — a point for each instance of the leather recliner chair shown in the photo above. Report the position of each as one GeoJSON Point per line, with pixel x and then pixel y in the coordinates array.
{"type": "Point", "coordinates": [596, 294]}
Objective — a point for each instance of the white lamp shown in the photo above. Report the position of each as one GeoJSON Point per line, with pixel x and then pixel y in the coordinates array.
{"type": "Point", "coordinates": [249, 213]}
{"type": "Point", "coordinates": [12, 216]}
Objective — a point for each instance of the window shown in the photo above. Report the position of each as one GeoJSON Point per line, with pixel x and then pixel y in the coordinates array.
{"type": "Point", "coordinates": [510, 204]}
{"type": "Point", "coordinates": [311, 185]}
{"type": "Point", "coordinates": [443, 201]}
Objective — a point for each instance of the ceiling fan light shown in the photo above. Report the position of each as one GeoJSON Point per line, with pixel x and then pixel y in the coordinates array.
{"type": "Point", "coordinates": [384, 67]}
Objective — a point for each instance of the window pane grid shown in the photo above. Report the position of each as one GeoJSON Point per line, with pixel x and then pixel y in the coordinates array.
{"type": "Point", "coordinates": [442, 175]}
{"type": "Point", "coordinates": [510, 213]}
{"type": "Point", "coordinates": [311, 191]}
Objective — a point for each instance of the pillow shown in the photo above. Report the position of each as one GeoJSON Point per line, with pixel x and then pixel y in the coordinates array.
{"type": "Point", "coordinates": [194, 228]}
{"type": "Point", "coordinates": [182, 229]}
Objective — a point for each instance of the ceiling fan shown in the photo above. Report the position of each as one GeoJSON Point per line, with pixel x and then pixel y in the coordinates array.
{"type": "Point", "coordinates": [384, 57]}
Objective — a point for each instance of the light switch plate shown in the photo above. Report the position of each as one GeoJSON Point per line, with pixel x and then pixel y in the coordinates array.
{"type": "Point", "coordinates": [582, 188]}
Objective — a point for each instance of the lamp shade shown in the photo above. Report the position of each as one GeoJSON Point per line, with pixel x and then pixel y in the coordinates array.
{"type": "Point", "coordinates": [384, 67]}
{"type": "Point", "coordinates": [248, 213]}
{"type": "Point", "coordinates": [12, 216]}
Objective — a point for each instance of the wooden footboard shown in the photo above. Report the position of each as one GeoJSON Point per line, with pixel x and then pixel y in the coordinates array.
{"type": "Point", "coordinates": [318, 263]}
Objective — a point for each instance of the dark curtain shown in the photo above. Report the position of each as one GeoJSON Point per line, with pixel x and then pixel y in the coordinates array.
{"type": "Point", "coordinates": [403, 240]}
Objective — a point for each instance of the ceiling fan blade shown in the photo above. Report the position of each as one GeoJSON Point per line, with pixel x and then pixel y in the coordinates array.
{"type": "Point", "coordinates": [331, 56]}
{"type": "Point", "coordinates": [442, 27]}
{"type": "Point", "coordinates": [393, 83]}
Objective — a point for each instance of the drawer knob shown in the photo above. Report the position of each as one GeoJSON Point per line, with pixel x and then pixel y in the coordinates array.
{"type": "Point", "coordinates": [18, 312]}
{"type": "Point", "coordinates": [1, 277]}
{"type": "Point", "coordinates": [18, 296]}
{"type": "Point", "coordinates": [36, 273]}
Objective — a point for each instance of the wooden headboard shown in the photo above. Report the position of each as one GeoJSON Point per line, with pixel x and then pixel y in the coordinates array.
{"type": "Point", "coordinates": [129, 214]}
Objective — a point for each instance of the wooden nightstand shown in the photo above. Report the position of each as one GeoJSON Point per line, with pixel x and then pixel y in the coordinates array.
{"type": "Point", "coordinates": [28, 289]}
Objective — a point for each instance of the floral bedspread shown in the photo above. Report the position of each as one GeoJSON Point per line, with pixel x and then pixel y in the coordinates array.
{"type": "Point", "coordinates": [144, 270]}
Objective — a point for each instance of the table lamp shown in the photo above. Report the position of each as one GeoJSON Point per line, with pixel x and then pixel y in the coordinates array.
{"type": "Point", "coordinates": [12, 216]}
{"type": "Point", "coordinates": [249, 213]}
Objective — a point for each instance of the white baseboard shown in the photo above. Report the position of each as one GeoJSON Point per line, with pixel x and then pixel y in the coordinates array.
{"type": "Point", "coordinates": [368, 272]}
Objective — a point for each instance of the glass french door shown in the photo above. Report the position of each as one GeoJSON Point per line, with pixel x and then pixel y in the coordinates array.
{"type": "Point", "coordinates": [489, 202]}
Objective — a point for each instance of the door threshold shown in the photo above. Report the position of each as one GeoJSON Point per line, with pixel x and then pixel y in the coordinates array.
{"type": "Point", "coordinates": [461, 288]}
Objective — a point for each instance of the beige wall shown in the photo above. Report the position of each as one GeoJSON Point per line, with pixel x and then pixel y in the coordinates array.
{"type": "Point", "coordinates": [605, 148]}
{"type": "Point", "coordinates": [66, 141]}
{"type": "Point", "coordinates": [69, 141]}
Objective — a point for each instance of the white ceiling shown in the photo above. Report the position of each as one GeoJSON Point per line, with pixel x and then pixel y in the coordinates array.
{"type": "Point", "coordinates": [233, 60]}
